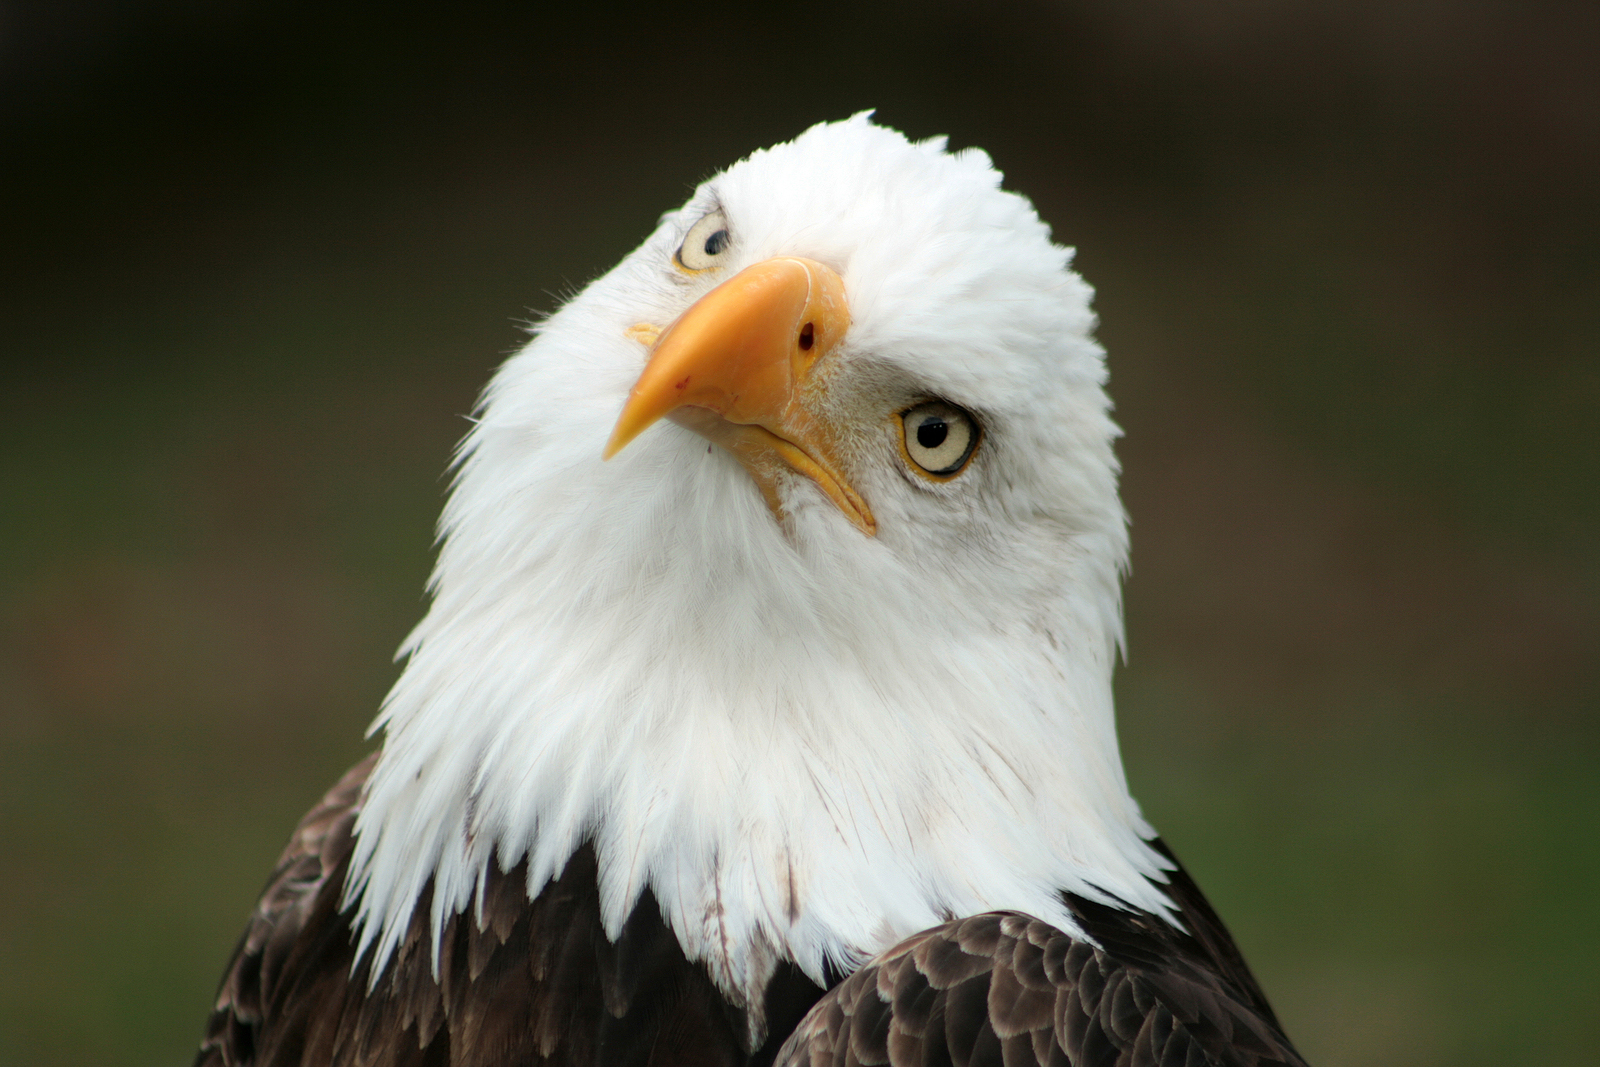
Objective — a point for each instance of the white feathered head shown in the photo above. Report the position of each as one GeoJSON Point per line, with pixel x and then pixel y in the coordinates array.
{"type": "Point", "coordinates": [824, 647]}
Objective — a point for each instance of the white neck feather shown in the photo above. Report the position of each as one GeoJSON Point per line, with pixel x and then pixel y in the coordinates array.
{"type": "Point", "coordinates": [797, 766]}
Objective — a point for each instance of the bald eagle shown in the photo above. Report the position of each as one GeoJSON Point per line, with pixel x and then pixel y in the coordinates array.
{"type": "Point", "coordinates": [762, 713]}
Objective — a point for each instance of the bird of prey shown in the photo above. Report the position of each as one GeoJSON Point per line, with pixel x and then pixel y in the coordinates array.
{"type": "Point", "coordinates": [762, 713]}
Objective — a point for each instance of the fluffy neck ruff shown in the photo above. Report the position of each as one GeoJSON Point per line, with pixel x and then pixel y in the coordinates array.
{"type": "Point", "coordinates": [798, 767]}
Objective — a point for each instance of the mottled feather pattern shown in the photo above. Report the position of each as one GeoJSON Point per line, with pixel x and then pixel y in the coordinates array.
{"type": "Point", "coordinates": [520, 981]}
{"type": "Point", "coordinates": [1005, 990]}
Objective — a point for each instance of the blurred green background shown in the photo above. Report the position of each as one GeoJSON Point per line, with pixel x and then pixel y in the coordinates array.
{"type": "Point", "coordinates": [258, 258]}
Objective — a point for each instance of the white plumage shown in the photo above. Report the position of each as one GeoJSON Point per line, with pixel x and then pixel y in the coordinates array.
{"type": "Point", "coordinates": [807, 741]}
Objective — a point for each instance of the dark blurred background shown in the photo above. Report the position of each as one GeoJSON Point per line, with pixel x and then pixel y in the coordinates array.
{"type": "Point", "coordinates": [258, 258]}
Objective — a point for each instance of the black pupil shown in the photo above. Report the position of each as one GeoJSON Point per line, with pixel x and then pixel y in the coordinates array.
{"type": "Point", "coordinates": [716, 243]}
{"type": "Point", "coordinates": [932, 432]}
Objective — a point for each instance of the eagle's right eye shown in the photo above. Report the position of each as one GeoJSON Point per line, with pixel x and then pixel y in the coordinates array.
{"type": "Point", "coordinates": [706, 243]}
{"type": "Point", "coordinates": [939, 439]}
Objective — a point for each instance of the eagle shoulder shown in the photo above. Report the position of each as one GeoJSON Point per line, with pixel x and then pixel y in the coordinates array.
{"type": "Point", "coordinates": [1004, 989]}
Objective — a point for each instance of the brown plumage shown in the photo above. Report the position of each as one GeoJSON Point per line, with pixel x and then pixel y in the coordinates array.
{"type": "Point", "coordinates": [529, 982]}
{"type": "Point", "coordinates": [1004, 990]}
{"type": "Point", "coordinates": [538, 982]}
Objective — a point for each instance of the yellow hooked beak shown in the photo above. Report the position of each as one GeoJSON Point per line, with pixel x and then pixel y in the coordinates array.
{"type": "Point", "coordinates": [745, 367]}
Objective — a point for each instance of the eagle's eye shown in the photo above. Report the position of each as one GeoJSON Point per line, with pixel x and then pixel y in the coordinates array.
{"type": "Point", "coordinates": [703, 248]}
{"type": "Point", "coordinates": [938, 439]}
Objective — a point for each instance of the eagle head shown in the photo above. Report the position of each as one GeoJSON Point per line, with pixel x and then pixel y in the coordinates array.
{"type": "Point", "coordinates": [782, 565]}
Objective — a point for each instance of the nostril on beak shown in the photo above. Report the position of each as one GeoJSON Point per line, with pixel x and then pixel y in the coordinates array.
{"type": "Point", "coordinates": [807, 337]}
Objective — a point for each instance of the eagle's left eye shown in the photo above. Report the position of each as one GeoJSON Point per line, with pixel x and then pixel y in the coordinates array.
{"type": "Point", "coordinates": [706, 243]}
{"type": "Point", "coordinates": [938, 439]}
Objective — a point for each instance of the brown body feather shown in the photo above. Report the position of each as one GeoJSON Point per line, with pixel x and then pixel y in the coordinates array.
{"type": "Point", "coordinates": [534, 982]}
{"type": "Point", "coordinates": [539, 982]}
{"type": "Point", "coordinates": [1005, 990]}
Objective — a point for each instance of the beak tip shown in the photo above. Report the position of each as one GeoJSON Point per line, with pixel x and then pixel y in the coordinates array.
{"type": "Point", "coordinates": [630, 424]}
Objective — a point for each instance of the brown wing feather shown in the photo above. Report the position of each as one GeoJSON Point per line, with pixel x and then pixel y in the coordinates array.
{"type": "Point", "coordinates": [529, 982]}
{"type": "Point", "coordinates": [1006, 990]}
{"type": "Point", "coordinates": [307, 875]}
{"type": "Point", "coordinates": [1214, 941]}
